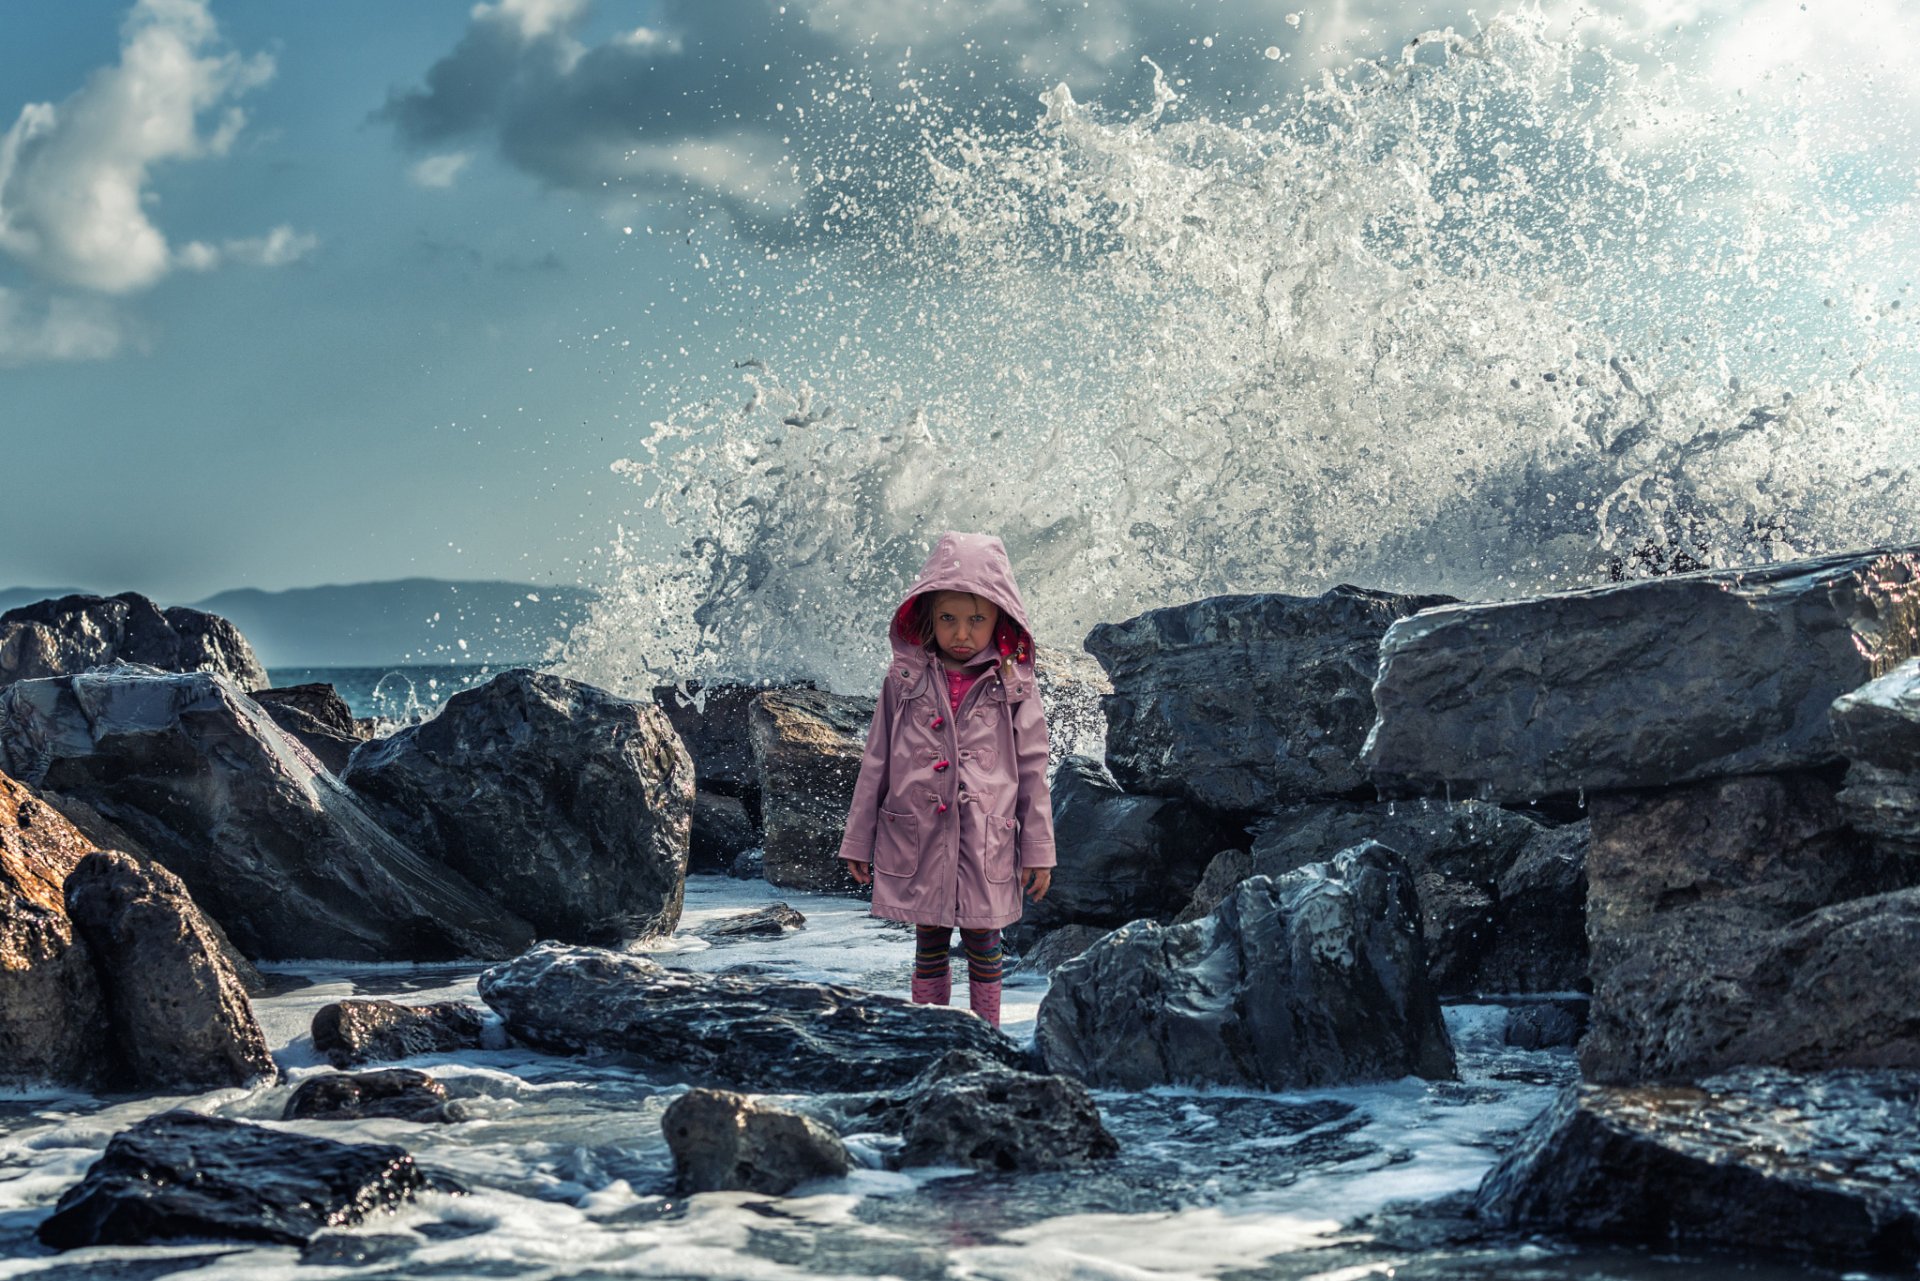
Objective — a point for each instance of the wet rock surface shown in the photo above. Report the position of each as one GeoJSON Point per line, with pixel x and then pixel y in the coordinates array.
{"type": "Point", "coordinates": [1241, 703]}
{"type": "Point", "coordinates": [268, 844]}
{"type": "Point", "coordinates": [1546, 1025]}
{"type": "Point", "coordinates": [1315, 978]}
{"type": "Point", "coordinates": [1058, 946]}
{"type": "Point", "coordinates": [357, 1031]}
{"type": "Point", "coordinates": [1741, 922]}
{"type": "Point", "coordinates": [1666, 680]}
{"type": "Point", "coordinates": [1822, 1166]}
{"type": "Point", "coordinates": [565, 804]}
{"type": "Point", "coordinates": [722, 830]}
{"type": "Point", "coordinates": [182, 1175]}
{"type": "Point", "coordinates": [762, 1034]}
{"type": "Point", "coordinates": [319, 718]}
{"type": "Point", "coordinates": [723, 1142]}
{"type": "Point", "coordinates": [971, 1112]}
{"type": "Point", "coordinates": [53, 1024]}
{"type": "Point", "coordinates": [402, 1094]}
{"type": "Point", "coordinates": [177, 1013]}
{"type": "Point", "coordinates": [1878, 728]}
{"type": "Point", "coordinates": [74, 633]}
{"type": "Point", "coordinates": [771, 921]}
{"type": "Point", "coordinates": [807, 746]}
{"type": "Point", "coordinates": [713, 722]}
{"type": "Point", "coordinates": [1224, 871]}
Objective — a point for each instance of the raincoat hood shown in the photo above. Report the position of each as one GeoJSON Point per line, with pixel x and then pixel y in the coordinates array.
{"type": "Point", "coordinates": [972, 563]}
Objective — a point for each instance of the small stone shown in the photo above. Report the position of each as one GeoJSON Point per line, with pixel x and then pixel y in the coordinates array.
{"type": "Point", "coordinates": [727, 1142]}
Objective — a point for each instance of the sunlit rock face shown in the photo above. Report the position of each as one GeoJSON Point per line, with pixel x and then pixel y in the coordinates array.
{"type": "Point", "coordinates": [1821, 1166]}
{"type": "Point", "coordinates": [1878, 728]}
{"type": "Point", "coordinates": [1315, 978]}
{"type": "Point", "coordinates": [74, 633]}
{"type": "Point", "coordinates": [1670, 680]}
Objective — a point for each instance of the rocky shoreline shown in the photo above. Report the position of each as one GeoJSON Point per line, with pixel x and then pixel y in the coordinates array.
{"type": "Point", "coordinates": [1674, 820]}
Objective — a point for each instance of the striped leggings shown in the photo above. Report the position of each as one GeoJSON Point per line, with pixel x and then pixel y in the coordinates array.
{"type": "Point", "coordinates": [933, 942]}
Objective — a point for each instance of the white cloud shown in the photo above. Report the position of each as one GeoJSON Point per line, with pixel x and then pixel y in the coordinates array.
{"type": "Point", "coordinates": [533, 19]}
{"type": "Point", "coordinates": [74, 200]}
{"type": "Point", "coordinates": [277, 248]}
{"type": "Point", "coordinates": [439, 171]}
{"type": "Point", "coordinates": [61, 328]}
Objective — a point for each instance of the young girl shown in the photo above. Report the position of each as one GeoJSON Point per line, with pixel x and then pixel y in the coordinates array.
{"type": "Point", "coordinates": [951, 805]}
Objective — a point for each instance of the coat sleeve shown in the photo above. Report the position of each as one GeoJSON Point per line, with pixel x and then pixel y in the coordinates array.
{"type": "Point", "coordinates": [1033, 808]}
{"type": "Point", "coordinates": [863, 816]}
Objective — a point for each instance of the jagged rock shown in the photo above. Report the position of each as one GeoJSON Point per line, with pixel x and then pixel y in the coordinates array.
{"type": "Point", "coordinates": [807, 745]}
{"type": "Point", "coordinates": [71, 634]}
{"type": "Point", "coordinates": [1820, 1166]}
{"type": "Point", "coordinates": [267, 843]}
{"type": "Point", "coordinates": [1461, 856]}
{"type": "Point", "coordinates": [1058, 946]}
{"type": "Point", "coordinates": [1878, 728]}
{"type": "Point", "coordinates": [53, 1024]}
{"type": "Point", "coordinates": [746, 1033]}
{"type": "Point", "coordinates": [1072, 688]}
{"type": "Point", "coordinates": [722, 830]}
{"type": "Point", "coordinates": [1226, 869]}
{"type": "Point", "coordinates": [995, 1118]}
{"type": "Point", "coordinates": [182, 1175]}
{"type": "Point", "coordinates": [1312, 979]}
{"type": "Point", "coordinates": [316, 715]}
{"type": "Point", "coordinates": [1120, 858]}
{"type": "Point", "coordinates": [1545, 1025]}
{"type": "Point", "coordinates": [1242, 703]}
{"type": "Point", "coordinates": [1645, 684]}
{"type": "Point", "coordinates": [768, 922]}
{"type": "Point", "coordinates": [566, 804]}
{"type": "Point", "coordinates": [1731, 925]}
{"type": "Point", "coordinates": [178, 1014]}
{"type": "Point", "coordinates": [359, 1031]}
{"type": "Point", "coordinates": [726, 1142]}
{"type": "Point", "coordinates": [399, 1093]}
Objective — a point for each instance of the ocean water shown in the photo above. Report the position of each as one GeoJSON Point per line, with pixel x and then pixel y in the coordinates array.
{"type": "Point", "coordinates": [570, 1178]}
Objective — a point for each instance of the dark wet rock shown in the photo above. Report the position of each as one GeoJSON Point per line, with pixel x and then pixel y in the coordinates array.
{"type": "Point", "coordinates": [1315, 978]}
{"type": "Point", "coordinates": [1241, 703]}
{"type": "Point", "coordinates": [1502, 909]}
{"type": "Point", "coordinates": [317, 716]}
{"type": "Point", "coordinates": [1224, 871]}
{"type": "Point", "coordinates": [1058, 946]}
{"type": "Point", "coordinates": [1120, 857]}
{"type": "Point", "coordinates": [748, 865]}
{"type": "Point", "coordinates": [567, 805]}
{"type": "Point", "coordinates": [1737, 922]}
{"type": "Point", "coordinates": [267, 843]}
{"type": "Point", "coordinates": [178, 1014]}
{"type": "Point", "coordinates": [182, 1175]}
{"type": "Point", "coordinates": [1821, 1166]}
{"type": "Point", "coordinates": [722, 830]}
{"type": "Point", "coordinates": [713, 722]}
{"type": "Point", "coordinates": [1884, 805]}
{"type": "Point", "coordinates": [1666, 680]}
{"type": "Point", "coordinates": [1546, 1025]}
{"type": "Point", "coordinates": [401, 1094]}
{"type": "Point", "coordinates": [74, 633]}
{"type": "Point", "coordinates": [745, 1033]}
{"type": "Point", "coordinates": [807, 744]}
{"type": "Point", "coordinates": [358, 1031]}
{"type": "Point", "coordinates": [996, 1118]}
{"type": "Point", "coordinates": [53, 1024]}
{"type": "Point", "coordinates": [726, 1142]}
{"type": "Point", "coordinates": [1878, 728]}
{"type": "Point", "coordinates": [771, 921]}
{"type": "Point", "coordinates": [1073, 688]}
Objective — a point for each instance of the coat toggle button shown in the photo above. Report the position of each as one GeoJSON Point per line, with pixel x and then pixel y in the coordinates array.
{"type": "Point", "coordinates": [940, 766]}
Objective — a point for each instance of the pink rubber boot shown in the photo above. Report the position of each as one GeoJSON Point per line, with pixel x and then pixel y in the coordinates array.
{"type": "Point", "coordinates": [985, 999]}
{"type": "Point", "coordinates": [933, 991]}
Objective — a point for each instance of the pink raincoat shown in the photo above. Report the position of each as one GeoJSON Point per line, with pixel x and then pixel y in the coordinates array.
{"type": "Point", "coordinates": [951, 805]}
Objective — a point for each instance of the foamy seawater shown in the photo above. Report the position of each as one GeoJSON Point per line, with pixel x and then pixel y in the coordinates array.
{"type": "Point", "coordinates": [570, 1177]}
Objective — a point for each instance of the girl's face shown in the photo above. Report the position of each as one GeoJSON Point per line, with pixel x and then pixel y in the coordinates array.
{"type": "Point", "coordinates": [962, 624]}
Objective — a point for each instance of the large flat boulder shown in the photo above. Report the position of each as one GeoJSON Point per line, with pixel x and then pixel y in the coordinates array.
{"type": "Point", "coordinates": [183, 1176]}
{"type": "Point", "coordinates": [1742, 922]}
{"type": "Point", "coordinates": [1666, 680]}
{"type": "Point", "coordinates": [1765, 1161]}
{"type": "Point", "coordinates": [74, 633]}
{"type": "Point", "coordinates": [564, 804]}
{"type": "Point", "coordinates": [53, 1024]}
{"type": "Point", "coordinates": [807, 746]}
{"type": "Point", "coordinates": [268, 843]}
{"type": "Point", "coordinates": [178, 1014]}
{"type": "Point", "coordinates": [1316, 978]}
{"type": "Point", "coordinates": [1242, 703]}
{"type": "Point", "coordinates": [743, 1033]}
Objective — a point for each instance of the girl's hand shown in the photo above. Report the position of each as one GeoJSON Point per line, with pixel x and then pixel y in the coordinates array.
{"type": "Point", "coordinates": [1037, 880]}
{"type": "Point", "coordinates": [861, 872]}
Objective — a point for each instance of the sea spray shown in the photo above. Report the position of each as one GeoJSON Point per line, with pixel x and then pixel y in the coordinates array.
{"type": "Point", "coordinates": [1496, 316]}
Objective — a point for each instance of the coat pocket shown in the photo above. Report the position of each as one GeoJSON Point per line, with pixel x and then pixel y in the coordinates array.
{"type": "Point", "coordinates": [999, 864]}
{"type": "Point", "coordinates": [896, 846]}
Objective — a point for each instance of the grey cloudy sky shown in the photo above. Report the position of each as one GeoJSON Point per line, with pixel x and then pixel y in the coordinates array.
{"type": "Point", "coordinates": [293, 294]}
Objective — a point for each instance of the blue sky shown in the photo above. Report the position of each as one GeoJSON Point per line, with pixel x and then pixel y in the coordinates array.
{"type": "Point", "coordinates": [380, 296]}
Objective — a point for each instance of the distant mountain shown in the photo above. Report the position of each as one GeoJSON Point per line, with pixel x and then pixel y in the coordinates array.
{"type": "Point", "coordinates": [410, 620]}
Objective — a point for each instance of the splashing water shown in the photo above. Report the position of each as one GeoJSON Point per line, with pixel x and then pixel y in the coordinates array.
{"type": "Point", "coordinates": [1494, 318]}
